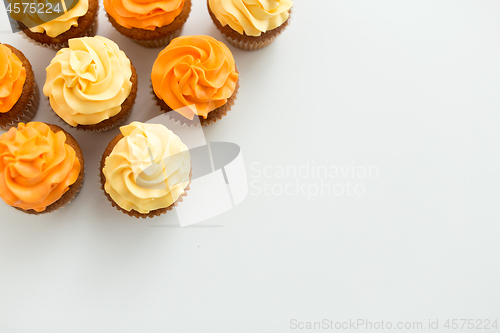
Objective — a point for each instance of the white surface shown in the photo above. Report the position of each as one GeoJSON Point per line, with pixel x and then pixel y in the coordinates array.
{"type": "Point", "coordinates": [217, 200]}
{"type": "Point", "coordinates": [410, 87]}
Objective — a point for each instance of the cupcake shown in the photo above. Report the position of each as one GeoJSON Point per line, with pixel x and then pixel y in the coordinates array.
{"type": "Point", "coordinates": [145, 170]}
{"type": "Point", "coordinates": [151, 23]}
{"type": "Point", "coordinates": [250, 24]}
{"type": "Point", "coordinates": [91, 85]}
{"type": "Point", "coordinates": [197, 77]}
{"type": "Point", "coordinates": [19, 96]}
{"type": "Point", "coordinates": [54, 30]}
{"type": "Point", "coordinates": [41, 167]}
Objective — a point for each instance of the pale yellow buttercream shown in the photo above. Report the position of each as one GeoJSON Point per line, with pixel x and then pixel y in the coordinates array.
{"type": "Point", "coordinates": [253, 17]}
{"type": "Point", "coordinates": [148, 169]}
{"type": "Point", "coordinates": [88, 81]}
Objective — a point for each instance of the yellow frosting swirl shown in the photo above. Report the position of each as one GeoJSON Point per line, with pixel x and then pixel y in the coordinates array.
{"type": "Point", "coordinates": [36, 166]}
{"type": "Point", "coordinates": [88, 82]}
{"type": "Point", "coordinates": [144, 14]}
{"type": "Point", "coordinates": [50, 21]}
{"type": "Point", "coordinates": [148, 169]}
{"type": "Point", "coordinates": [252, 17]}
{"type": "Point", "coordinates": [12, 78]}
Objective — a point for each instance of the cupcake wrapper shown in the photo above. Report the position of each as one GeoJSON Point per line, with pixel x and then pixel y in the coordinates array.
{"type": "Point", "coordinates": [159, 42]}
{"type": "Point", "coordinates": [250, 46]}
{"type": "Point", "coordinates": [90, 32]}
{"type": "Point", "coordinates": [144, 216]}
{"type": "Point", "coordinates": [104, 129]}
{"type": "Point", "coordinates": [183, 121]}
{"type": "Point", "coordinates": [29, 111]}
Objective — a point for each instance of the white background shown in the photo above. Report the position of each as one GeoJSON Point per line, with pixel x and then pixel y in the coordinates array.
{"type": "Point", "coordinates": [411, 87]}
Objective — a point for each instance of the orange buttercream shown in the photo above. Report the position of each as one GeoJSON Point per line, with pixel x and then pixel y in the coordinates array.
{"type": "Point", "coordinates": [36, 166]}
{"type": "Point", "coordinates": [196, 72]}
{"type": "Point", "coordinates": [144, 14]}
{"type": "Point", "coordinates": [12, 78]}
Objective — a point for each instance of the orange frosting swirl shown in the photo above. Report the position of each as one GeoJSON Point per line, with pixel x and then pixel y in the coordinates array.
{"type": "Point", "coordinates": [144, 14]}
{"type": "Point", "coordinates": [12, 78]}
{"type": "Point", "coordinates": [196, 72]}
{"type": "Point", "coordinates": [36, 166]}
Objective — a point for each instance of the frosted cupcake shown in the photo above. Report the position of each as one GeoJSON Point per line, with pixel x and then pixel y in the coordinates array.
{"type": "Point", "coordinates": [145, 170]}
{"type": "Point", "coordinates": [151, 23]}
{"type": "Point", "coordinates": [197, 77]}
{"type": "Point", "coordinates": [250, 24]}
{"type": "Point", "coordinates": [19, 96]}
{"type": "Point", "coordinates": [41, 167]}
{"type": "Point", "coordinates": [54, 30]}
{"type": "Point", "coordinates": [92, 84]}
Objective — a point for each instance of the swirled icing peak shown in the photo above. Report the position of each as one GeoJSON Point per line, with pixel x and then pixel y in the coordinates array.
{"type": "Point", "coordinates": [12, 78]}
{"type": "Point", "coordinates": [252, 17]}
{"type": "Point", "coordinates": [49, 20]}
{"type": "Point", "coordinates": [88, 81]}
{"type": "Point", "coordinates": [148, 168]}
{"type": "Point", "coordinates": [36, 166]}
{"type": "Point", "coordinates": [198, 72]}
{"type": "Point", "coordinates": [144, 14]}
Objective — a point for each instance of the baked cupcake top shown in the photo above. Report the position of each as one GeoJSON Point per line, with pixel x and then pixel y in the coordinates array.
{"type": "Point", "coordinates": [252, 17]}
{"type": "Point", "coordinates": [144, 14]}
{"type": "Point", "coordinates": [36, 166]}
{"type": "Point", "coordinates": [50, 20]}
{"type": "Point", "coordinates": [148, 168]}
{"type": "Point", "coordinates": [12, 78]}
{"type": "Point", "coordinates": [197, 72]}
{"type": "Point", "coordinates": [88, 81]}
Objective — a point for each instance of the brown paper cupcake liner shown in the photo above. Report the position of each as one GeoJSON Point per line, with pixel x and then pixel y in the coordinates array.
{"type": "Point", "coordinates": [213, 116]}
{"type": "Point", "coordinates": [29, 111]}
{"type": "Point", "coordinates": [101, 181]}
{"type": "Point", "coordinates": [160, 42]}
{"type": "Point", "coordinates": [90, 32]}
{"type": "Point", "coordinates": [74, 189]}
{"type": "Point", "coordinates": [250, 46]}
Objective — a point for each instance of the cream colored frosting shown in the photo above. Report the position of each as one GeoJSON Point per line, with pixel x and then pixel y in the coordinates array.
{"type": "Point", "coordinates": [60, 24]}
{"type": "Point", "coordinates": [253, 17]}
{"type": "Point", "coordinates": [148, 169]}
{"type": "Point", "coordinates": [88, 81]}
